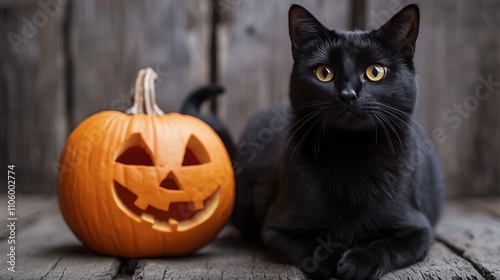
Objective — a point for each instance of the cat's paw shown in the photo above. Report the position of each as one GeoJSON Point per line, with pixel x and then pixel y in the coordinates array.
{"type": "Point", "coordinates": [359, 264]}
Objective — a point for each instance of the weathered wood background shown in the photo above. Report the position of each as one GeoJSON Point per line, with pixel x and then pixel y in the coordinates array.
{"type": "Point", "coordinates": [61, 61]}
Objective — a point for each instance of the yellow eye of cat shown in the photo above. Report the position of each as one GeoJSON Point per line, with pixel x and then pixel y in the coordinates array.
{"type": "Point", "coordinates": [324, 73]}
{"type": "Point", "coordinates": [376, 72]}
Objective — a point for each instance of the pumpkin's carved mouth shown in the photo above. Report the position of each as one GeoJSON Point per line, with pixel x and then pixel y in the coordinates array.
{"type": "Point", "coordinates": [180, 215]}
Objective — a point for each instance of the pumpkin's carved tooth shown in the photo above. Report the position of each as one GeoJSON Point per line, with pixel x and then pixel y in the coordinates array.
{"type": "Point", "coordinates": [173, 224]}
{"type": "Point", "coordinates": [125, 200]}
{"type": "Point", "coordinates": [161, 226]}
{"type": "Point", "coordinates": [197, 205]}
{"type": "Point", "coordinates": [179, 217]}
{"type": "Point", "coordinates": [148, 218]}
{"type": "Point", "coordinates": [141, 203]}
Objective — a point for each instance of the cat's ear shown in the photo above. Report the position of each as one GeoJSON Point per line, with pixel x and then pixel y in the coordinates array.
{"type": "Point", "coordinates": [304, 29]}
{"type": "Point", "coordinates": [402, 29]}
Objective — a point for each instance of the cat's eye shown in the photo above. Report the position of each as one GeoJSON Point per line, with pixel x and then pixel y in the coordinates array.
{"type": "Point", "coordinates": [375, 72]}
{"type": "Point", "coordinates": [324, 73]}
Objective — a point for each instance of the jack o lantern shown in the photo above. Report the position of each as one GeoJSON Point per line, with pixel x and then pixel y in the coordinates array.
{"type": "Point", "coordinates": [145, 184]}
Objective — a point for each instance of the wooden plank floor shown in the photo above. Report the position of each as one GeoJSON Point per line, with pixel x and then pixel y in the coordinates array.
{"type": "Point", "coordinates": [467, 247]}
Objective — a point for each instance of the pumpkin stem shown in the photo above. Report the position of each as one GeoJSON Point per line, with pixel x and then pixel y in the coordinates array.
{"type": "Point", "coordinates": [144, 94]}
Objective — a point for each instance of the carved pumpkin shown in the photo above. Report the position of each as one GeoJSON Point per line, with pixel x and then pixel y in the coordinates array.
{"type": "Point", "coordinates": [145, 183]}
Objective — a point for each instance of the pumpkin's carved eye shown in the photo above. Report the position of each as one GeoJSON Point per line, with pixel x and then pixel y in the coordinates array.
{"type": "Point", "coordinates": [170, 183]}
{"type": "Point", "coordinates": [135, 152]}
{"type": "Point", "coordinates": [195, 153]}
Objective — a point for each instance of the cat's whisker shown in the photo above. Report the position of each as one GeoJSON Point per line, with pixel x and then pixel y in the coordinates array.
{"type": "Point", "coordinates": [310, 104]}
{"type": "Point", "coordinates": [302, 121]}
{"type": "Point", "coordinates": [392, 114]}
{"type": "Point", "coordinates": [389, 141]}
{"type": "Point", "coordinates": [321, 130]}
{"type": "Point", "coordinates": [317, 146]}
{"type": "Point", "coordinates": [392, 111]}
{"type": "Point", "coordinates": [315, 142]}
{"type": "Point", "coordinates": [304, 136]}
{"type": "Point", "coordinates": [325, 127]}
{"type": "Point", "coordinates": [409, 126]}
{"type": "Point", "coordinates": [388, 122]}
{"type": "Point", "coordinates": [372, 122]}
{"type": "Point", "coordinates": [410, 116]}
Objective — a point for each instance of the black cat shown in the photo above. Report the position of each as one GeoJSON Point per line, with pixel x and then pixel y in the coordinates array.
{"type": "Point", "coordinates": [341, 184]}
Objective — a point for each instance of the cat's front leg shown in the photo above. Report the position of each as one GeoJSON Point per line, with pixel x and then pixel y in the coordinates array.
{"type": "Point", "coordinates": [403, 248]}
{"type": "Point", "coordinates": [313, 252]}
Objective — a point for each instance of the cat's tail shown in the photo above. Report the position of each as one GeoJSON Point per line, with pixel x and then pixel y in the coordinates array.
{"type": "Point", "coordinates": [191, 106]}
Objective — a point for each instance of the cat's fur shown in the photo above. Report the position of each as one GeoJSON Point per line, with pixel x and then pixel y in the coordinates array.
{"type": "Point", "coordinates": [342, 186]}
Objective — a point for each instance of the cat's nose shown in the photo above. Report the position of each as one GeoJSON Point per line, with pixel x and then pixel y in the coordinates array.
{"type": "Point", "coordinates": [348, 95]}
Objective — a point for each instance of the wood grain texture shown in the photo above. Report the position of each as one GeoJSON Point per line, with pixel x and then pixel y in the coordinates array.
{"type": "Point", "coordinates": [27, 209]}
{"type": "Point", "coordinates": [475, 237]}
{"type": "Point", "coordinates": [255, 53]}
{"type": "Point", "coordinates": [112, 40]}
{"type": "Point", "coordinates": [440, 263]}
{"type": "Point", "coordinates": [457, 53]}
{"type": "Point", "coordinates": [232, 258]}
{"type": "Point", "coordinates": [33, 123]}
{"type": "Point", "coordinates": [48, 250]}
{"type": "Point", "coordinates": [228, 257]}
{"type": "Point", "coordinates": [489, 205]}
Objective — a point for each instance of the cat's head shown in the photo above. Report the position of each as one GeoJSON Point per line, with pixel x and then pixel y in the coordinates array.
{"type": "Point", "coordinates": [354, 79]}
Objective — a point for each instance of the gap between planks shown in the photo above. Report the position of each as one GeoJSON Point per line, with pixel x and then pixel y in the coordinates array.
{"type": "Point", "coordinates": [471, 229]}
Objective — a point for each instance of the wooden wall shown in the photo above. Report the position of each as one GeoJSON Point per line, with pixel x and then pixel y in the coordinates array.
{"type": "Point", "coordinates": [457, 51]}
{"type": "Point", "coordinates": [71, 59]}
{"type": "Point", "coordinates": [34, 124]}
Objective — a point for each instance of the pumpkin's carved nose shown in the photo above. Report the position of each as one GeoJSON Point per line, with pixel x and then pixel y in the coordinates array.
{"type": "Point", "coordinates": [170, 183]}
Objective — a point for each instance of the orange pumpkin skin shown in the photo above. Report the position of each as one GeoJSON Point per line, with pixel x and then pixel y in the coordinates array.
{"type": "Point", "coordinates": [119, 202]}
